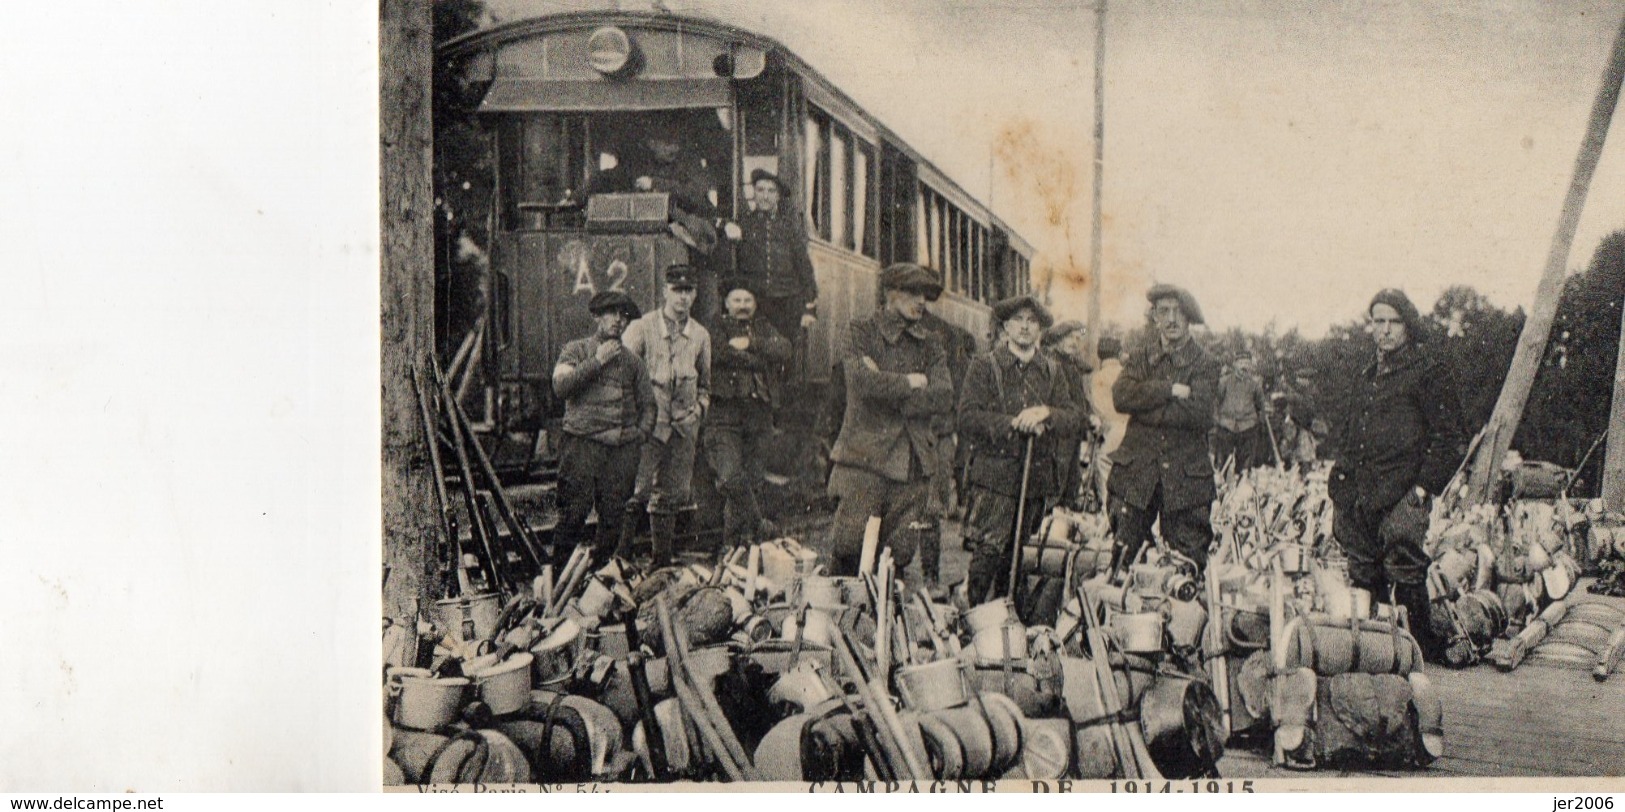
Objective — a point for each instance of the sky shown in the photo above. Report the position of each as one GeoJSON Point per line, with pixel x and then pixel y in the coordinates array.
{"type": "Point", "coordinates": [1283, 159]}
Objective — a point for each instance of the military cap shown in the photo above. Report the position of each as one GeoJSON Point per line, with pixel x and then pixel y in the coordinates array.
{"type": "Point", "coordinates": [1187, 302]}
{"type": "Point", "coordinates": [680, 276]}
{"type": "Point", "coordinates": [1058, 333]}
{"type": "Point", "coordinates": [758, 175]}
{"type": "Point", "coordinates": [910, 277]}
{"type": "Point", "coordinates": [1007, 308]}
{"type": "Point", "coordinates": [605, 300]}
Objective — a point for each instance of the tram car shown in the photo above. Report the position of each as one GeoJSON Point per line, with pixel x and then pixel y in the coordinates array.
{"type": "Point", "coordinates": [551, 113]}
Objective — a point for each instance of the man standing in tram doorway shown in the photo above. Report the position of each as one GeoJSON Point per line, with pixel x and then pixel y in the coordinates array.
{"type": "Point", "coordinates": [609, 409]}
{"type": "Point", "coordinates": [1018, 408]}
{"type": "Point", "coordinates": [897, 382]}
{"type": "Point", "coordinates": [1161, 473]}
{"type": "Point", "coordinates": [677, 350]}
{"type": "Point", "coordinates": [1401, 443]}
{"type": "Point", "coordinates": [745, 392]}
{"type": "Point", "coordinates": [773, 259]}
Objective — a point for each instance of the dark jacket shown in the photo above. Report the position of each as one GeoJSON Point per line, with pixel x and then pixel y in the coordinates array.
{"type": "Point", "coordinates": [751, 373]}
{"type": "Point", "coordinates": [773, 259]}
{"type": "Point", "coordinates": [1405, 429]}
{"type": "Point", "coordinates": [611, 402]}
{"type": "Point", "coordinates": [1166, 440]}
{"type": "Point", "coordinates": [960, 348]}
{"type": "Point", "coordinates": [887, 425]}
{"type": "Point", "coordinates": [997, 387]}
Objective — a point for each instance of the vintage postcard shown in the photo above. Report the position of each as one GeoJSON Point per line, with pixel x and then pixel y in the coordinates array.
{"type": "Point", "coordinates": [1023, 396]}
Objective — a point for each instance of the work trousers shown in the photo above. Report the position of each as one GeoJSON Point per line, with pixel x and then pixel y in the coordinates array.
{"type": "Point", "coordinates": [991, 533]}
{"type": "Point", "coordinates": [1383, 545]}
{"type": "Point", "coordinates": [1243, 445]}
{"type": "Point", "coordinates": [936, 509]}
{"type": "Point", "coordinates": [735, 433]}
{"type": "Point", "coordinates": [863, 494]}
{"type": "Point", "coordinates": [666, 474]}
{"type": "Point", "coordinates": [594, 476]}
{"type": "Point", "coordinates": [1187, 531]}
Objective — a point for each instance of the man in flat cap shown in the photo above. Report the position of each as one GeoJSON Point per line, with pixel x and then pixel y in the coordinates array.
{"type": "Point", "coordinates": [1017, 397]}
{"type": "Point", "coordinates": [897, 382]}
{"type": "Point", "coordinates": [1161, 472]}
{"type": "Point", "coordinates": [773, 259]}
{"type": "Point", "coordinates": [1401, 443]}
{"type": "Point", "coordinates": [745, 391]}
{"type": "Point", "coordinates": [609, 409]}
{"type": "Point", "coordinates": [677, 350]}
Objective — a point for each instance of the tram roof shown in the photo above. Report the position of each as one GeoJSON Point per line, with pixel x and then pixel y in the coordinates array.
{"type": "Point", "coordinates": [495, 36]}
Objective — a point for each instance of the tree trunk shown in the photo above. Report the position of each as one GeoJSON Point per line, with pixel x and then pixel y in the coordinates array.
{"type": "Point", "coordinates": [1532, 341]}
{"type": "Point", "coordinates": [407, 295]}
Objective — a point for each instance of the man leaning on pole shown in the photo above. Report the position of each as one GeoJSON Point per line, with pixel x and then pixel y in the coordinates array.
{"type": "Point", "coordinates": [1020, 411]}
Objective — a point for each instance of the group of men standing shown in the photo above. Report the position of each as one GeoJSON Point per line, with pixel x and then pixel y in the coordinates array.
{"type": "Point", "coordinates": [918, 406]}
{"type": "Point", "coordinates": [643, 389]}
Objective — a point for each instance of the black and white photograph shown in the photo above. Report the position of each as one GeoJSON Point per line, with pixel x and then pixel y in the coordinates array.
{"type": "Point", "coordinates": [846, 395]}
{"type": "Point", "coordinates": [883, 397]}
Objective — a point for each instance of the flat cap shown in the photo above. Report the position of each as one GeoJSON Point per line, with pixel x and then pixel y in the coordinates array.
{"type": "Point", "coordinates": [1187, 302]}
{"type": "Point", "coordinates": [910, 277]}
{"type": "Point", "coordinates": [680, 276]}
{"type": "Point", "coordinates": [606, 300]}
{"type": "Point", "coordinates": [1004, 309]}
{"type": "Point", "coordinates": [1056, 334]}
{"type": "Point", "coordinates": [758, 175]}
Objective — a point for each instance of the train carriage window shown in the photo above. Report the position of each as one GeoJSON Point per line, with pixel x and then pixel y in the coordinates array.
{"type": "Point", "coordinates": [840, 151]}
{"type": "Point", "coordinates": [817, 173]}
{"type": "Point", "coordinates": [923, 228]}
{"type": "Point", "coordinates": [863, 204]}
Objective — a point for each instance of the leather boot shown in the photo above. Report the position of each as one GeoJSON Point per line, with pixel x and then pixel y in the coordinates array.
{"type": "Point", "coordinates": [1418, 611]}
{"type": "Point", "coordinates": [629, 530]}
{"type": "Point", "coordinates": [662, 528]}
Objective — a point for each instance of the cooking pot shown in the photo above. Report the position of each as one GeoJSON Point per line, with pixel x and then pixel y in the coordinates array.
{"type": "Point", "coordinates": [821, 592]}
{"type": "Point", "coordinates": [468, 617]}
{"type": "Point", "coordinates": [1183, 726]}
{"type": "Point", "coordinates": [424, 702]}
{"type": "Point", "coordinates": [1138, 632]}
{"type": "Point", "coordinates": [557, 653]}
{"type": "Point", "coordinates": [933, 686]}
{"type": "Point", "coordinates": [505, 686]}
{"type": "Point", "coordinates": [820, 629]}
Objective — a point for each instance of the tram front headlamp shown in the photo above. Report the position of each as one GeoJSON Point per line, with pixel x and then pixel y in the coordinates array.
{"type": "Point", "coordinates": [609, 50]}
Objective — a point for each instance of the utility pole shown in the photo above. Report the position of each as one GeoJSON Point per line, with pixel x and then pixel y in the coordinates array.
{"type": "Point", "coordinates": [1613, 465]}
{"type": "Point", "coordinates": [1096, 252]}
{"type": "Point", "coordinates": [1532, 341]}
{"type": "Point", "coordinates": [406, 212]}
